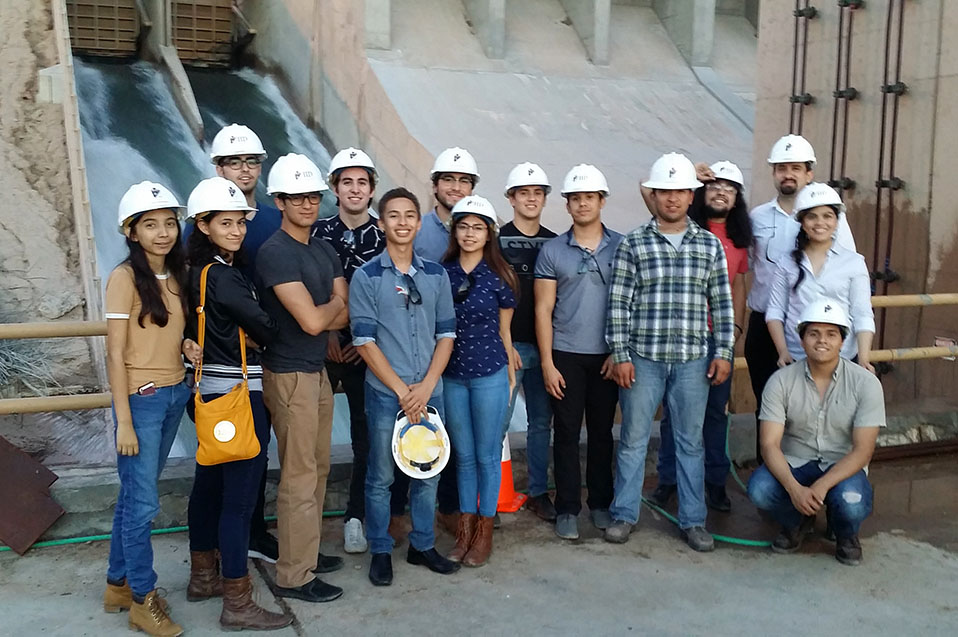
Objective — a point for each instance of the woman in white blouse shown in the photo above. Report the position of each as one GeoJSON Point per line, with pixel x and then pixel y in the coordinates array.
{"type": "Point", "coordinates": [820, 267]}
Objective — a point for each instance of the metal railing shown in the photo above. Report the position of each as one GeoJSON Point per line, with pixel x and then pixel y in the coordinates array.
{"type": "Point", "coordinates": [72, 329]}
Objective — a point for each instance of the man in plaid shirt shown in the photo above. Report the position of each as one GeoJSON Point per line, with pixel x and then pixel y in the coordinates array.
{"type": "Point", "coordinates": [669, 282]}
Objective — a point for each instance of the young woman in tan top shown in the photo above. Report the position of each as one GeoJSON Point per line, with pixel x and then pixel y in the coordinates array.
{"type": "Point", "coordinates": [145, 311]}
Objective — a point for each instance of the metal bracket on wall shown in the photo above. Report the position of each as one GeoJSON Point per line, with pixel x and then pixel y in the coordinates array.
{"type": "Point", "coordinates": [849, 93]}
{"type": "Point", "coordinates": [898, 88]}
{"type": "Point", "coordinates": [804, 98]}
{"type": "Point", "coordinates": [888, 275]}
{"type": "Point", "coordinates": [807, 12]}
{"type": "Point", "coordinates": [894, 183]}
{"type": "Point", "coordinates": [851, 4]}
{"type": "Point", "coordinates": [844, 183]}
{"type": "Point", "coordinates": [883, 367]}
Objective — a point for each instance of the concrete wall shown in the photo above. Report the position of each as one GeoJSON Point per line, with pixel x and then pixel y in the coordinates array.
{"type": "Point", "coordinates": [925, 229]}
{"type": "Point", "coordinates": [317, 48]}
{"type": "Point", "coordinates": [691, 25]}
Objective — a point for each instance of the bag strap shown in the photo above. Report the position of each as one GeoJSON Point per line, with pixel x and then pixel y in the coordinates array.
{"type": "Point", "coordinates": [201, 328]}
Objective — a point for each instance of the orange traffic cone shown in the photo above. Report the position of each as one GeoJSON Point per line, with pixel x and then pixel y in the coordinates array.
{"type": "Point", "coordinates": [509, 500]}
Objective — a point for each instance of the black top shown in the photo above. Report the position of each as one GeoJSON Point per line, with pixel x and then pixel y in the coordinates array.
{"type": "Point", "coordinates": [283, 259]}
{"type": "Point", "coordinates": [230, 302]}
{"type": "Point", "coordinates": [521, 252]}
{"type": "Point", "coordinates": [355, 247]}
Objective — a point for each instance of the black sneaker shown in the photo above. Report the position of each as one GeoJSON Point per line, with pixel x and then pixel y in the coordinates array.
{"type": "Point", "coordinates": [314, 591]}
{"type": "Point", "coordinates": [663, 494]}
{"type": "Point", "coordinates": [264, 547]}
{"type": "Point", "coordinates": [328, 563]}
{"type": "Point", "coordinates": [716, 498]}
{"type": "Point", "coordinates": [790, 540]}
{"type": "Point", "coordinates": [848, 550]}
{"type": "Point", "coordinates": [542, 506]}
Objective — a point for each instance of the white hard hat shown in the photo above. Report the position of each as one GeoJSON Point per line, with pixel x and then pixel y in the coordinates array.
{"type": "Point", "coordinates": [527, 174]}
{"type": "Point", "coordinates": [455, 160]}
{"type": "Point", "coordinates": [585, 178]}
{"type": "Point", "coordinates": [792, 149]}
{"type": "Point", "coordinates": [825, 310]}
{"type": "Point", "coordinates": [728, 171]}
{"type": "Point", "coordinates": [350, 158]}
{"type": "Point", "coordinates": [817, 194]}
{"type": "Point", "coordinates": [422, 450]}
{"type": "Point", "coordinates": [479, 206]}
{"type": "Point", "coordinates": [143, 197]}
{"type": "Point", "coordinates": [295, 174]}
{"type": "Point", "coordinates": [216, 195]}
{"type": "Point", "coordinates": [235, 139]}
{"type": "Point", "coordinates": [672, 171]}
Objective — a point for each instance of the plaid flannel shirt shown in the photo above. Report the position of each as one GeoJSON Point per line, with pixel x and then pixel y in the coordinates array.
{"type": "Point", "coordinates": [660, 298]}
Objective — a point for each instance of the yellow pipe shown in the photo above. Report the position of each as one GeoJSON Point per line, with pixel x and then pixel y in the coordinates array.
{"type": "Point", "coordinates": [56, 329]}
{"type": "Point", "coordinates": [914, 300]}
{"type": "Point", "coordinates": [899, 354]}
{"type": "Point", "coordinates": [55, 403]}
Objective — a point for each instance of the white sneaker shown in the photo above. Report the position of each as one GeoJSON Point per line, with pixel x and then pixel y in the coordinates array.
{"type": "Point", "coordinates": [354, 539]}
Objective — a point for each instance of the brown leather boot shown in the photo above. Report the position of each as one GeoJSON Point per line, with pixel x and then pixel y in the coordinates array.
{"type": "Point", "coordinates": [464, 535]}
{"type": "Point", "coordinates": [117, 598]}
{"type": "Point", "coordinates": [240, 611]}
{"type": "Point", "coordinates": [151, 618]}
{"type": "Point", "coordinates": [481, 545]}
{"type": "Point", "coordinates": [205, 579]}
{"type": "Point", "coordinates": [449, 521]}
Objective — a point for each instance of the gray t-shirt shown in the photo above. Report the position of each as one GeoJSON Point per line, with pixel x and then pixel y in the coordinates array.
{"type": "Point", "coordinates": [582, 290]}
{"type": "Point", "coordinates": [675, 238]}
{"type": "Point", "coordinates": [819, 430]}
{"type": "Point", "coordinates": [283, 259]}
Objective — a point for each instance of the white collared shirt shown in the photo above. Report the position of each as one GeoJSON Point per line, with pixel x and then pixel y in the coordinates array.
{"type": "Point", "coordinates": [775, 232]}
{"type": "Point", "coordinates": [842, 277]}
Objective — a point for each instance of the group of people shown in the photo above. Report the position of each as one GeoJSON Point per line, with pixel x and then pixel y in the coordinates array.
{"type": "Point", "coordinates": [450, 314]}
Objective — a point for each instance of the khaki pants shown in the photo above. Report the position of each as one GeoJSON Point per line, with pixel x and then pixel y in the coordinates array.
{"type": "Point", "coordinates": [301, 408]}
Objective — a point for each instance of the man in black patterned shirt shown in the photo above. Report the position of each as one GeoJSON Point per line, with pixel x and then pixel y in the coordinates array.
{"type": "Point", "coordinates": [356, 237]}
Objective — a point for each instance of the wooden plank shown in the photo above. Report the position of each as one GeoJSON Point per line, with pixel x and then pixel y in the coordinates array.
{"type": "Point", "coordinates": [14, 460]}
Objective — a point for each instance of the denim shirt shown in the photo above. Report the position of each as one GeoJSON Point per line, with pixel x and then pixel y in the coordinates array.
{"type": "Point", "coordinates": [433, 238]}
{"type": "Point", "coordinates": [382, 311]}
{"type": "Point", "coordinates": [479, 350]}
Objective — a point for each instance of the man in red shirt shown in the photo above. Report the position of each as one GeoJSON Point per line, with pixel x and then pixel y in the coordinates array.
{"type": "Point", "coordinates": [721, 209]}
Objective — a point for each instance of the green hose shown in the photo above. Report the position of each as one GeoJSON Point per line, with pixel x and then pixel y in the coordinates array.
{"type": "Point", "coordinates": [171, 529]}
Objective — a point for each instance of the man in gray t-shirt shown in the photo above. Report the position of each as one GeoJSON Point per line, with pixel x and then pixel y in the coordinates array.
{"type": "Point", "coordinates": [573, 272]}
{"type": "Point", "coordinates": [819, 422]}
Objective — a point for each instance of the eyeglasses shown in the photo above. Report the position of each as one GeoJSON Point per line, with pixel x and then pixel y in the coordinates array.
{"type": "Point", "coordinates": [297, 200]}
{"type": "Point", "coordinates": [462, 181]}
{"type": "Point", "coordinates": [590, 264]}
{"type": "Point", "coordinates": [412, 292]}
{"type": "Point", "coordinates": [466, 228]}
{"type": "Point", "coordinates": [237, 162]}
{"type": "Point", "coordinates": [462, 292]}
{"type": "Point", "coordinates": [717, 186]}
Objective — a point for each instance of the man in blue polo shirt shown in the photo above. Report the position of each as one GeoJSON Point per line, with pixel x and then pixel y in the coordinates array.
{"type": "Point", "coordinates": [403, 323]}
{"type": "Point", "coordinates": [573, 273]}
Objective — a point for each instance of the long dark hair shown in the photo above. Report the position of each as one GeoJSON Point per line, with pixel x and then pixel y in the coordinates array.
{"type": "Point", "coordinates": [146, 283]}
{"type": "Point", "coordinates": [491, 254]}
{"type": "Point", "coordinates": [201, 250]}
{"type": "Point", "coordinates": [801, 242]}
{"type": "Point", "coordinates": [737, 225]}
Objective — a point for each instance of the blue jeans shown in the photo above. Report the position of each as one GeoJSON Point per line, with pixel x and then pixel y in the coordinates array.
{"type": "Point", "coordinates": [475, 408]}
{"type": "Point", "coordinates": [538, 414]}
{"type": "Point", "coordinates": [381, 410]}
{"type": "Point", "coordinates": [685, 388]}
{"type": "Point", "coordinates": [714, 434]}
{"type": "Point", "coordinates": [156, 419]}
{"type": "Point", "coordinates": [847, 504]}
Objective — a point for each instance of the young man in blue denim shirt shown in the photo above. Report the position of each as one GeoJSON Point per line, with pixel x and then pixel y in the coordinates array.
{"type": "Point", "coordinates": [403, 324]}
{"type": "Point", "coordinates": [520, 240]}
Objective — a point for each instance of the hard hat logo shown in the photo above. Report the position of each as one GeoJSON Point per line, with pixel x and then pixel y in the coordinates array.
{"type": "Point", "coordinates": [672, 172]}
{"type": "Point", "coordinates": [456, 157]}
{"type": "Point", "coordinates": [234, 139]}
{"type": "Point", "coordinates": [232, 191]}
{"type": "Point", "coordinates": [352, 154]}
{"type": "Point", "coordinates": [828, 308]}
{"type": "Point", "coordinates": [531, 171]}
{"type": "Point", "coordinates": [155, 191]}
{"type": "Point", "coordinates": [788, 146]}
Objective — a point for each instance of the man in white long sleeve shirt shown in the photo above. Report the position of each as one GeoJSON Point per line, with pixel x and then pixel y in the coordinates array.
{"type": "Point", "coordinates": [775, 229]}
